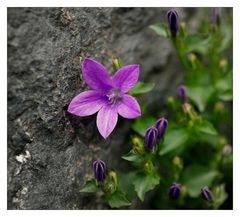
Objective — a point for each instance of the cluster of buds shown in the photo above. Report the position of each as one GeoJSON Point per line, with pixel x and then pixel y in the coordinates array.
{"type": "Point", "coordinates": [155, 133]}
{"type": "Point", "coordinates": [175, 192]}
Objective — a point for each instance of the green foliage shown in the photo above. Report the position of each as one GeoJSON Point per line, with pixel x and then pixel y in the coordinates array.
{"type": "Point", "coordinates": [161, 29]}
{"type": "Point", "coordinates": [170, 141]}
{"type": "Point", "coordinates": [144, 182]}
{"type": "Point", "coordinates": [117, 200]}
{"type": "Point", "coordinates": [197, 42]}
{"type": "Point", "coordinates": [141, 124]}
{"type": "Point", "coordinates": [196, 177]}
{"type": "Point", "coordinates": [133, 157]}
{"type": "Point", "coordinates": [200, 96]}
{"type": "Point", "coordinates": [192, 151]}
{"type": "Point", "coordinates": [206, 127]}
{"type": "Point", "coordinates": [90, 186]}
{"type": "Point", "coordinates": [141, 88]}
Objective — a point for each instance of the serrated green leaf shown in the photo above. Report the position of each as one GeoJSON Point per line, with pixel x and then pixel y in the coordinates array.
{"type": "Point", "coordinates": [141, 88]}
{"type": "Point", "coordinates": [118, 199]}
{"type": "Point", "coordinates": [144, 182]}
{"type": "Point", "coordinates": [173, 140]}
{"type": "Point", "coordinates": [200, 96]}
{"type": "Point", "coordinates": [133, 157]}
{"type": "Point", "coordinates": [206, 127]}
{"type": "Point", "coordinates": [161, 29]}
{"type": "Point", "coordinates": [90, 186]}
{"type": "Point", "coordinates": [196, 177]}
{"type": "Point", "coordinates": [141, 124]}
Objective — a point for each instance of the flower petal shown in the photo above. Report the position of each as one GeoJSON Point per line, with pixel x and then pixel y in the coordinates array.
{"type": "Point", "coordinates": [129, 107]}
{"type": "Point", "coordinates": [96, 75]}
{"type": "Point", "coordinates": [106, 120]}
{"type": "Point", "coordinates": [126, 77]}
{"type": "Point", "coordinates": [86, 103]}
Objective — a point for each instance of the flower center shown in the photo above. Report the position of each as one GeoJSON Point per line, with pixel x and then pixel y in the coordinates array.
{"type": "Point", "coordinates": [114, 96]}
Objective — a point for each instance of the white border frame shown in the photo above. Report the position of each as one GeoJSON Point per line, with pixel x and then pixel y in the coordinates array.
{"type": "Point", "coordinates": [118, 3]}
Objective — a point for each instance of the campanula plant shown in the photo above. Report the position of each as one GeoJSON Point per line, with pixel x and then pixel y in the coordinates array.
{"type": "Point", "coordinates": [183, 156]}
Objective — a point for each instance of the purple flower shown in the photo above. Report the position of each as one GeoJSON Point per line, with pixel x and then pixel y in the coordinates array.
{"type": "Point", "coordinates": [173, 22]}
{"type": "Point", "coordinates": [207, 194]}
{"type": "Point", "coordinates": [175, 191]}
{"type": "Point", "coordinates": [161, 126]}
{"type": "Point", "coordinates": [108, 95]}
{"type": "Point", "coordinates": [151, 137]}
{"type": "Point", "coordinates": [182, 93]}
{"type": "Point", "coordinates": [99, 170]}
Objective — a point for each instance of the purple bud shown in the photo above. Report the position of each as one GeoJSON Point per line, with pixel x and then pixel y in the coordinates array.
{"type": "Point", "coordinates": [207, 194]}
{"type": "Point", "coordinates": [175, 191]}
{"type": "Point", "coordinates": [161, 126]}
{"type": "Point", "coordinates": [173, 22]}
{"type": "Point", "coordinates": [99, 169]}
{"type": "Point", "coordinates": [216, 16]}
{"type": "Point", "coordinates": [151, 137]}
{"type": "Point", "coordinates": [182, 93]}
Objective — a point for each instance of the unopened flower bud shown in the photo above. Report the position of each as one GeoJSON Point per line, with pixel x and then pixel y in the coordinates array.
{"type": "Point", "coordinates": [187, 108]}
{"type": "Point", "coordinates": [173, 22]}
{"type": "Point", "coordinates": [99, 169]}
{"type": "Point", "coordinates": [161, 126]}
{"type": "Point", "coordinates": [191, 57]}
{"type": "Point", "coordinates": [113, 177]}
{"type": "Point", "coordinates": [223, 64]}
{"type": "Point", "coordinates": [182, 93]}
{"type": "Point", "coordinates": [219, 107]}
{"type": "Point", "coordinates": [207, 194]}
{"type": "Point", "coordinates": [175, 191]}
{"type": "Point", "coordinates": [227, 150]}
{"type": "Point", "coordinates": [151, 137]}
{"type": "Point", "coordinates": [117, 64]}
{"type": "Point", "coordinates": [216, 16]}
{"type": "Point", "coordinates": [183, 29]}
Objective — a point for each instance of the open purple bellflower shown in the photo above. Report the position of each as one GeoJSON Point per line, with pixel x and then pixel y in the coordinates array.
{"type": "Point", "coordinates": [107, 95]}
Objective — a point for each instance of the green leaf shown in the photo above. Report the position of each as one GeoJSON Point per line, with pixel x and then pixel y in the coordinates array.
{"type": "Point", "coordinates": [196, 177]}
{"type": "Point", "coordinates": [197, 43]}
{"type": "Point", "coordinates": [173, 140]}
{"type": "Point", "coordinates": [144, 182]}
{"type": "Point", "coordinates": [200, 96]}
{"type": "Point", "coordinates": [126, 184]}
{"type": "Point", "coordinates": [206, 127]}
{"type": "Point", "coordinates": [133, 157]}
{"type": "Point", "coordinates": [161, 29]}
{"type": "Point", "coordinates": [118, 199]}
{"type": "Point", "coordinates": [141, 88]}
{"type": "Point", "coordinates": [141, 124]}
{"type": "Point", "coordinates": [224, 83]}
{"type": "Point", "coordinates": [226, 96]}
{"type": "Point", "coordinates": [224, 86]}
{"type": "Point", "coordinates": [90, 186]}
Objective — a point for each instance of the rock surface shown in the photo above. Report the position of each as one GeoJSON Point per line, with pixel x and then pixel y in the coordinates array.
{"type": "Point", "coordinates": [50, 152]}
